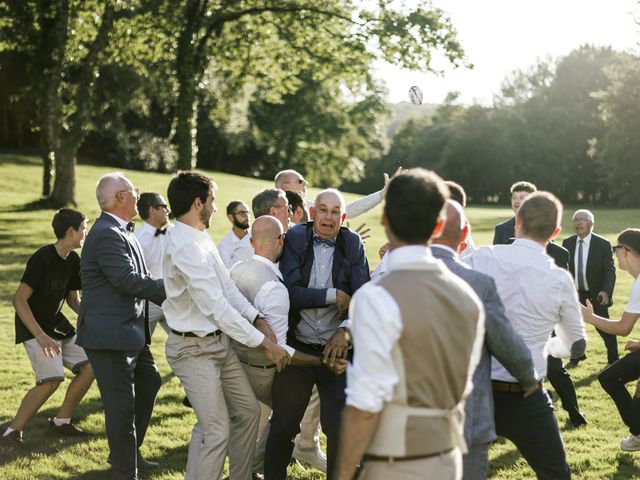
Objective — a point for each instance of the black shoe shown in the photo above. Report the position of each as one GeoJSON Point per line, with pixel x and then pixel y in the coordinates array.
{"type": "Point", "coordinates": [577, 422]}
{"type": "Point", "coordinates": [146, 465]}
{"type": "Point", "coordinates": [65, 430]}
{"type": "Point", "coordinates": [573, 363]}
{"type": "Point", "coordinates": [13, 440]}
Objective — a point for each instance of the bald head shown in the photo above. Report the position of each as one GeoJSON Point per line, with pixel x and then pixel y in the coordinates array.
{"type": "Point", "coordinates": [267, 237]}
{"type": "Point", "coordinates": [454, 226]}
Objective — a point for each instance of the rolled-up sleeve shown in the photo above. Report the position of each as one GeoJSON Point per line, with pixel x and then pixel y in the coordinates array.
{"type": "Point", "coordinates": [570, 328]}
{"type": "Point", "coordinates": [375, 330]}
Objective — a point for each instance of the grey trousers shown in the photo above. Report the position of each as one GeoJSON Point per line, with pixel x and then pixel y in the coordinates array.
{"type": "Point", "coordinates": [226, 409]}
{"type": "Point", "coordinates": [475, 463]}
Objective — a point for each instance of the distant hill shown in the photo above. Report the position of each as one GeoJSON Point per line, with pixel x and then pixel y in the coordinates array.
{"type": "Point", "coordinates": [403, 111]}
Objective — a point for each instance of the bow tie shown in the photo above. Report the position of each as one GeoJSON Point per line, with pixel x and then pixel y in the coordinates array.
{"type": "Point", "coordinates": [131, 226]}
{"type": "Point", "coordinates": [329, 242]}
{"type": "Point", "coordinates": [160, 231]}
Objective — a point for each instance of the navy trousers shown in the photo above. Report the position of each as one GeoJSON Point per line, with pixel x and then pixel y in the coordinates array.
{"type": "Point", "coordinates": [532, 426]}
{"type": "Point", "coordinates": [561, 381]}
{"type": "Point", "coordinates": [128, 383]}
{"type": "Point", "coordinates": [291, 393]}
{"type": "Point", "coordinates": [614, 378]}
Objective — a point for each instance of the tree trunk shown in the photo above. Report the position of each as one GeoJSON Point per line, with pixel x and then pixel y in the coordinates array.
{"type": "Point", "coordinates": [65, 167]}
{"type": "Point", "coordinates": [47, 171]}
{"type": "Point", "coordinates": [185, 133]}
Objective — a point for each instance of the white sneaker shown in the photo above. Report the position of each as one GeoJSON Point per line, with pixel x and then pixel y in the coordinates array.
{"type": "Point", "coordinates": [315, 457]}
{"type": "Point", "coordinates": [631, 443]}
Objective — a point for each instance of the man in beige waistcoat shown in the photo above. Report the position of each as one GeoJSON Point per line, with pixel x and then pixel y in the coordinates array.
{"type": "Point", "coordinates": [417, 333]}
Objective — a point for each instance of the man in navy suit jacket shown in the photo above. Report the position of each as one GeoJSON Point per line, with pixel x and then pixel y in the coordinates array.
{"type": "Point", "coordinates": [323, 264]}
{"type": "Point", "coordinates": [507, 230]}
{"type": "Point", "coordinates": [113, 324]}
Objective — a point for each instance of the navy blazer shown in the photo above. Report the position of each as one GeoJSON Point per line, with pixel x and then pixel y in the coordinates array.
{"type": "Point", "coordinates": [504, 231]}
{"type": "Point", "coordinates": [349, 272]}
{"type": "Point", "coordinates": [601, 271]}
{"type": "Point", "coordinates": [116, 285]}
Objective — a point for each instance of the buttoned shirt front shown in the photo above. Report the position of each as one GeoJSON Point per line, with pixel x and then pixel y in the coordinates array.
{"type": "Point", "coordinates": [538, 297]}
{"type": "Point", "coordinates": [317, 325]}
{"type": "Point", "coordinates": [152, 247]}
{"type": "Point", "coordinates": [233, 249]}
{"type": "Point", "coordinates": [376, 326]}
{"type": "Point", "coordinates": [586, 241]}
{"type": "Point", "coordinates": [201, 296]}
{"type": "Point", "coordinates": [272, 300]}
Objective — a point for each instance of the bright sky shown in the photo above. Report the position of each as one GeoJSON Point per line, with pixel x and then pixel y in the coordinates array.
{"type": "Point", "coordinates": [500, 36]}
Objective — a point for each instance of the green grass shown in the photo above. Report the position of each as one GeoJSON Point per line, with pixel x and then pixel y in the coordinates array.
{"type": "Point", "coordinates": [593, 452]}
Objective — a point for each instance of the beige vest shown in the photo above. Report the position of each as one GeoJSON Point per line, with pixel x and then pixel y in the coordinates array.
{"type": "Point", "coordinates": [432, 356]}
{"type": "Point", "coordinates": [250, 276]}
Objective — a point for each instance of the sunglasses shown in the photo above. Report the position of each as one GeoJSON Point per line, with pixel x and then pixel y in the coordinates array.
{"type": "Point", "coordinates": [616, 247]}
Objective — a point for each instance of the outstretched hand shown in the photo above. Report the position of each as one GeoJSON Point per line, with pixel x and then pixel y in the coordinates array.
{"type": "Point", "coordinates": [587, 311]}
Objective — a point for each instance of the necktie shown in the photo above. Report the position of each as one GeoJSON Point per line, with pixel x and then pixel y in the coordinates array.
{"type": "Point", "coordinates": [329, 242]}
{"type": "Point", "coordinates": [131, 226]}
{"type": "Point", "coordinates": [580, 267]}
{"type": "Point", "coordinates": [160, 231]}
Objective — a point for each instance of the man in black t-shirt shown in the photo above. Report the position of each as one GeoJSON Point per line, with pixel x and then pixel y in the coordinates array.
{"type": "Point", "coordinates": [51, 277]}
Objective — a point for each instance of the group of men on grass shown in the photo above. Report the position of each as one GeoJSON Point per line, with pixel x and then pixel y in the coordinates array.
{"type": "Point", "coordinates": [440, 354]}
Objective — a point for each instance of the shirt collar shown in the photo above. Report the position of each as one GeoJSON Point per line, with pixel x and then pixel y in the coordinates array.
{"type": "Point", "coordinates": [120, 221]}
{"type": "Point", "coordinates": [446, 249]}
{"type": "Point", "coordinates": [585, 240]}
{"type": "Point", "coordinates": [184, 229]}
{"type": "Point", "coordinates": [266, 261]}
{"type": "Point", "coordinates": [525, 242]}
{"type": "Point", "coordinates": [409, 254]}
{"type": "Point", "coordinates": [147, 226]}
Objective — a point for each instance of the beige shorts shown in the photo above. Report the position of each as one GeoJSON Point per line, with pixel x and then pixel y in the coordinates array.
{"type": "Point", "coordinates": [49, 369]}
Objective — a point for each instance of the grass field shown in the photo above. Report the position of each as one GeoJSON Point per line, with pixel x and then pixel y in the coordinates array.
{"type": "Point", "coordinates": [593, 452]}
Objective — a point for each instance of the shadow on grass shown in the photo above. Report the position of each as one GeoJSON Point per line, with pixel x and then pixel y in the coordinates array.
{"type": "Point", "coordinates": [588, 380]}
{"type": "Point", "coordinates": [506, 459]}
{"type": "Point", "coordinates": [627, 467]}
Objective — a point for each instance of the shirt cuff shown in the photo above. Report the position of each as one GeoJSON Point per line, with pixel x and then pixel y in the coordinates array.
{"type": "Point", "coordinates": [290, 350]}
{"type": "Point", "coordinates": [331, 296]}
{"type": "Point", "coordinates": [346, 323]}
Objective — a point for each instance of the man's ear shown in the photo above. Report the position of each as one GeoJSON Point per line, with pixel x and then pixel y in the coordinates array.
{"type": "Point", "coordinates": [342, 219]}
{"type": "Point", "coordinates": [384, 221]}
{"type": "Point", "coordinates": [252, 243]}
{"type": "Point", "coordinates": [555, 233]}
{"type": "Point", "coordinates": [437, 230]}
{"type": "Point", "coordinates": [464, 234]}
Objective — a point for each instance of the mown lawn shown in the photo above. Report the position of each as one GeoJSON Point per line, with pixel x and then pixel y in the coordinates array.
{"type": "Point", "coordinates": [593, 451]}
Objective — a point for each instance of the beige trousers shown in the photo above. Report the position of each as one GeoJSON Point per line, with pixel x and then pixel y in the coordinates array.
{"type": "Point", "coordinates": [309, 436]}
{"type": "Point", "coordinates": [447, 466]}
{"type": "Point", "coordinates": [226, 409]}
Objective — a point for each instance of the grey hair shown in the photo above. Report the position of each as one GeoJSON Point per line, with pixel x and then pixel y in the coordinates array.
{"type": "Point", "coordinates": [266, 199]}
{"type": "Point", "coordinates": [108, 186]}
{"type": "Point", "coordinates": [337, 193]}
{"type": "Point", "coordinates": [282, 175]}
{"type": "Point", "coordinates": [586, 213]}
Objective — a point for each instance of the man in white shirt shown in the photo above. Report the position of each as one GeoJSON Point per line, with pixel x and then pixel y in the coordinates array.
{"type": "Point", "coordinates": [153, 209]}
{"type": "Point", "coordinates": [203, 309]}
{"type": "Point", "coordinates": [417, 336]}
{"type": "Point", "coordinates": [538, 297]}
{"type": "Point", "coordinates": [235, 246]}
{"type": "Point", "coordinates": [260, 281]}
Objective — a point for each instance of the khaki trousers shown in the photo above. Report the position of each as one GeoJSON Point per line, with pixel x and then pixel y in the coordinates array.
{"type": "Point", "coordinates": [309, 436]}
{"type": "Point", "coordinates": [226, 409]}
{"type": "Point", "coordinates": [447, 466]}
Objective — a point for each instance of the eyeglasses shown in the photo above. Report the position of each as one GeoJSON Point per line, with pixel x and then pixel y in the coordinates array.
{"type": "Point", "coordinates": [280, 236]}
{"type": "Point", "coordinates": [616, 247]}
{"type": "Point", "coordinates": [299, 180]}
{"type": "Point", "coordinates": [162, 205]}
{"type": "Point", "coordinates": [135, 191]}
{"type": "Point", "coordinates": [288, 207]}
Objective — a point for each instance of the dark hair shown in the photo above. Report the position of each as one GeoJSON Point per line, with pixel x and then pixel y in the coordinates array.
{"type": "Point", "coordinates": [266, 199]}
{"type": "Point", "coordinates": [523, 187]}
{"type": "Point", "coordinates": [457, 192]}
{"type": "Point", "coordinates": [185, 187]}
{"type": "Point", "coordinates": [146, 201]}
{"type": "Point", "coordinates": [540, 214]}
{"type": "Point", "coordinates": [630, 238]}
{"type": "Point", "coordinates": [294, 199]}
{"type": "Point", "coordinates": [413, 204]}
{"type": "Point", "coordinates": [232, 206]}
{"type": "Point", "coordinates": [64, 219]}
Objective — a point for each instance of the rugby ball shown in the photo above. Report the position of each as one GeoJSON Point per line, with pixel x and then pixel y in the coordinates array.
{"type": "Point", "coordinates": [415, 95]}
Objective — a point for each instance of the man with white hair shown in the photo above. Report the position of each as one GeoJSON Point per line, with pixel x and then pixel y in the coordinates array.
{"type": "Point", "coordinates": [594, 274]}
{"type": "Point", "coordinates": [292, 180]}
{"type": "Point", "coordinates": [323, 264]}
{"type": "Point", "coordinates": [113, 324]}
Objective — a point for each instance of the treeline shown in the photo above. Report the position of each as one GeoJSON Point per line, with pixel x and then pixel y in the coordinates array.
{"type": "Point", "coordinates": [571, 126]}
{"type": "Point", "coordinates": [249, 86]}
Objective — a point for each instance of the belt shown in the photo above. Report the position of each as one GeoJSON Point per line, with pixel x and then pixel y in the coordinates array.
{"type": "Point", "coordinates": [498, 386]}
{"type": "Point", "coordinates": [191, 334]}
{"type": "Point", "coordinates": [264, 367]}
{"type": "Point", "coordinates": [378, 458]}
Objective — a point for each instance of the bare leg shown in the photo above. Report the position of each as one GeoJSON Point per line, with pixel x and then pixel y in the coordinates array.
{"type": "Point", "coordinates": [76, 391]}
{"type": "Point", "coordinates": [31, 403]}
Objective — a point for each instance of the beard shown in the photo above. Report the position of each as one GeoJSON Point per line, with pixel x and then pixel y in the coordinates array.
{"type": "Point", "coordinates": [241, 225]}
{"type": "Point", "coordinates": [205, 216]}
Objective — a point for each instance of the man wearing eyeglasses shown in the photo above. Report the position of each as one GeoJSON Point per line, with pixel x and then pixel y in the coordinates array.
{"type": "Point", "coordinates": [236, 247]}
{"type": "Point", "coordinates": [152, 208]}
{"type": "Point", "coordinates": [273, 201]}
{"type": "Point", "coordinates": [594, 274]}
{"type": "Point", "coordinates": [113, 324]}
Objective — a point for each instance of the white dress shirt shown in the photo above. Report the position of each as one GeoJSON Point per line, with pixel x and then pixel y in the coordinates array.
{"type": "Point", "coordinates": [152, 247]}
{"type": "Point", "coordinates": [376, 326]}
{"type": "Point", "coordinates": [120, 221]}
{"type": "Point", "coordinates": [201, 297]}
{"type": "Point", "coordinates": [272, 301]}
{"type": "Point", "coordinates": [538, 297]}
{"type": "Point", "coordinates": [586, 241]}
{"type": "Point", "coordinates": [634, 299]}
{"type": "Point", "coordinates": [233, 249]}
